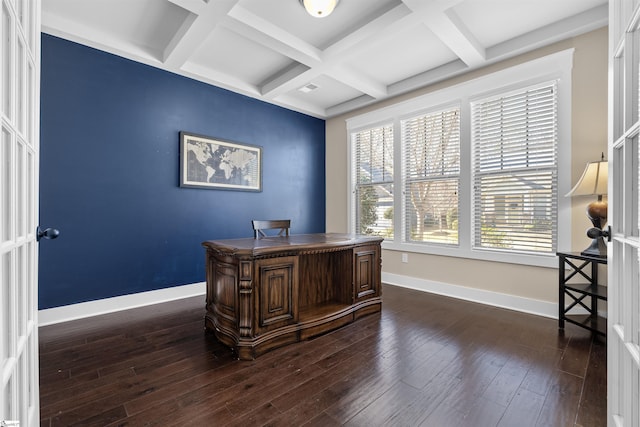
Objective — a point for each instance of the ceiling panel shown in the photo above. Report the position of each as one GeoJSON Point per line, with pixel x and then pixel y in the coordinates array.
{"type": "Point", "coordinates": [515, 18]}
{"type": "Point", "coordinates": [143, 23]}
{"type": "Point", "coordinates": [384, 61]}
{"type": "Point", "coordinates": [232, 54]}
{"type": "Point", "coordinates": [329, 92]}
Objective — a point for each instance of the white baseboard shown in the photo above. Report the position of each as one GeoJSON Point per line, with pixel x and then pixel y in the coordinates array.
{"type": "Point", "coordinates": [110, 305]}
{"type": "Point", "coordinates": [511, 302]}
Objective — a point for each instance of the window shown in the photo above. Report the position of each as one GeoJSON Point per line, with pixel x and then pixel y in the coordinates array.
{"type": "Point", "coordinates": [431, 171]}
{"type": "Point", "coordinates": [515, 170]}
{"type": "Point", "coordinates": [373, 169]}
{"type": "Point", "coordinates": [481, 167]}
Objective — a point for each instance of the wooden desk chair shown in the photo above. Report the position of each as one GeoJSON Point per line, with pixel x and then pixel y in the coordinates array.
{"type": "Point", "coordinates": [260, 226]}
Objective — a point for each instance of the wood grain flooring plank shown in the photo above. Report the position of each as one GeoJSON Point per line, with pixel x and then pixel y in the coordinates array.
{"type": "Point", "coordinates": [322, 420]}
{"type": "Point", "coordinates": [382, 410]}
{"type": "Point", "coordinates": [576, 355]}
{"type": "Point", "coordinates": [476, 373]}
{"type": "Point", "coordinates": [259, 415]}
{"type": "Point", "coordinates": [482, 412]}
{"type": "Point", "coordinates": [120, 389]}
{"type": "Point", "coordinates": [508, 380]}
{"type": "Point", "coordinates": [430, 399]}
{"type": "Point", "coordinates": [299, 383]}
{"type": "Point", "coordinates": [365, 389]}
{"type": "Point", "coordinates": [158, 416]}
{"type": "Point", "coordinates": [562, 401]}
{"type": "Point", "coordinates": [523, 410]}
{"type": "Point", "coordinates": [432, 366]}
{"type": "Point", "coordinates": [543, 371]}
{"type": "Point", "coordinates": [212, 397]}
{"type": "Point", "coordinates": [593, 412]}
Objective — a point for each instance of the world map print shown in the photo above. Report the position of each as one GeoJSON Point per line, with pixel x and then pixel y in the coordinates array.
{"type": "Point", "coordinates": [221, 164]}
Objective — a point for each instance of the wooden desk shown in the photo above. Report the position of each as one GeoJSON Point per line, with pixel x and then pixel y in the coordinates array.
{"type": "Point", "coordinates": [270, 292]}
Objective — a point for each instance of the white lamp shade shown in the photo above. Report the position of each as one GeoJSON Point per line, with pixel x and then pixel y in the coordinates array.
{"type": "Point", "coordinates": [319, 8]}
{"type": "Point", "coordinates": [593, 180]}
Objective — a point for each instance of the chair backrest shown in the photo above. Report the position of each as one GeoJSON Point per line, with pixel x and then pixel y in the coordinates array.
{"type": "Point", "coordinates": [260, 225]}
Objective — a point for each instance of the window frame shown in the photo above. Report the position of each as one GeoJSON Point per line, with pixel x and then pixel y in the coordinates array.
{"type": "Point", "coordinates": [406, 229]}
{"type": "Point", "coordinates": [558, 67]}
{"type": "Point", "coordinates": [354, 224]}
{"type": "Point", "coordinates": [477, 149]}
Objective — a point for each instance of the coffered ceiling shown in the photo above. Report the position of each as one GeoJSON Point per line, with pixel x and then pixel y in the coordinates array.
{"type": "Point", "coordinates": [365, 51]}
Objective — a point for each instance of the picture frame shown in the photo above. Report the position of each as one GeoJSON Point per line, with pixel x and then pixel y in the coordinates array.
{"type": "Point", "coordinates": [213, 163]}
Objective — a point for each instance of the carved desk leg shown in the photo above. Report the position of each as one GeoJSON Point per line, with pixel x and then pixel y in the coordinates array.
{"type": "Point", "coordinates": [246, 308]}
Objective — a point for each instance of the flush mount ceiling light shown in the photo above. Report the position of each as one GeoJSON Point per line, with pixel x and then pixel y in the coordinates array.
{"type": "Point", "coordinates": [319, 8]}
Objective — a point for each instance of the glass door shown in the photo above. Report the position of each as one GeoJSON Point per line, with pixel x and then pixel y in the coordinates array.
{"type": "Point", "coordinates": [19, 136]}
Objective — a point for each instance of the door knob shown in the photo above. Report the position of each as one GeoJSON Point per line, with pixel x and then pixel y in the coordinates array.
{"type": "Point", "coordinates": [47, 233]}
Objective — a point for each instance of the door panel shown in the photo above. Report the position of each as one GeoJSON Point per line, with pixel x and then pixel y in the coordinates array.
{"type": "Point", "coordinates": [366, 272]}
{"type": "Point", "coordinates": [623, 340]}
{"type": "Point", "coordinates": [277, 292]}
{"type": "Point", "coordinates": [19, 90]}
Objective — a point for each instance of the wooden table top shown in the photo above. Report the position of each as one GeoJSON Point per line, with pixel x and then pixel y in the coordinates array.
{"type": "Point", "coordinates": [295, 242]}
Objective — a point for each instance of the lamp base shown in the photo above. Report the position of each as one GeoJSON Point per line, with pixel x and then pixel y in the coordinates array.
{"type": "Point", "coordinates": [597, 213]}
{"type": "Point", "coordinates": [597, 248]}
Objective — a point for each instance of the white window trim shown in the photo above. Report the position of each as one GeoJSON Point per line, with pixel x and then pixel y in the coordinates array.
{"type": "Point", "coordinates": [557, 66]}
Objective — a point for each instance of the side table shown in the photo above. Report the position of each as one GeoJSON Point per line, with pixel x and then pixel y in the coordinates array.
{"type": "Point", "coordinates": [578, 280]}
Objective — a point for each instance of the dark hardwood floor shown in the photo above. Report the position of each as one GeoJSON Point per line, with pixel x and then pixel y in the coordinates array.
{"type": "Point", "coordinates": [426, 360]}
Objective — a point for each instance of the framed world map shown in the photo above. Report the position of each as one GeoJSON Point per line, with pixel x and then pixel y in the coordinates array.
{"type": "Point", "coordinates": [207, 162]}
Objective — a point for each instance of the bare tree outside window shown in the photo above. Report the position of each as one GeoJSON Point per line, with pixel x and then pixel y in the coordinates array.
{"type": "Point", "coordinates": [432, 169]}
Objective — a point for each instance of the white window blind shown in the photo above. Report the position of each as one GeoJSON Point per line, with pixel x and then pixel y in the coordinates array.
{"type": "Point", "coordinates": [431, 174]}
{"type": "Point", "coordinates": [373, 178]}
{"type": "Point", "coordinates": [514, 139]}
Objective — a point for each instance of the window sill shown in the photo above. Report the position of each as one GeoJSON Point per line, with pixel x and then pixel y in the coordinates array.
{"type": "Point", "coordinates": [542, 260]}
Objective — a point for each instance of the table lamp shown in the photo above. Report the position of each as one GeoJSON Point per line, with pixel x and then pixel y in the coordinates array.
{"type": "Point", "coordinates": [593, 182]}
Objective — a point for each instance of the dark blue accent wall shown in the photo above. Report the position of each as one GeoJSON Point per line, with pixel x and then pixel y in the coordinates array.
{"type": "Point", "coordinates": [109, 174]}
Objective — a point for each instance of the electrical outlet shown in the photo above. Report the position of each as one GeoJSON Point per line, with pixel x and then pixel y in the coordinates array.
{"type": "Point", "coordinates": [405, 257]}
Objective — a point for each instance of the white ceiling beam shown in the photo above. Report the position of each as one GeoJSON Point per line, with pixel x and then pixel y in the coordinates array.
{"type": "Point", "coordinates": [424, 79]}
{"type": "Point", "coordinates": [291, 78]}
{"type": "Point", "coordinates": [194, 31]}
{"type": "Point", "coordinates": [429, 77]}
{"type": "Point", "coordinates": [219, 79]}
{"type": "Point", "coordinates": [234, 84]}
{"type": "Point", "coordinates": [309, 53]}
{"type": "Point", "coordinates": [368, 34]}
{"type": "Point", "coordinates": [461, 40]}
{"type": "Point", "coordinates": [357, 80]}
{"type": "Point", "coordinates": [448, 27]}
{"type": "Point", "coordinates": [193, 6]}
{"type": "Point", "coordinates": [300, 75]}
{"type": "Point", "coordinates": [350, 105]}
{"type": "Point", "coordinates": [301, 106]}
{"type": "Point", "coordinates": [276, 45]}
